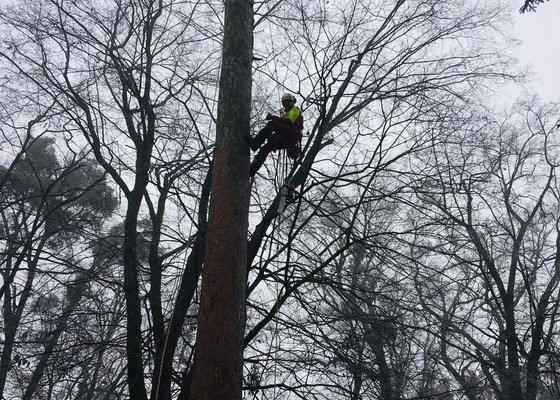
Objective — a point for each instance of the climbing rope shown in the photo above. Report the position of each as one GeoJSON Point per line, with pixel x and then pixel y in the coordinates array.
{"type": "Point", "coordinates": [282, 166]}
{"type": "Point", "coordinates": [280, 180]}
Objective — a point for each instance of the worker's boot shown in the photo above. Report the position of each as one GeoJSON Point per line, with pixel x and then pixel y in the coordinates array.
{"type": "Point", "coordinates": [256, 142]}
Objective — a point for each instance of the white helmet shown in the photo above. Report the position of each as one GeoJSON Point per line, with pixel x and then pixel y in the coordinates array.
{"type": "Point", "coordinates": [288, 97]}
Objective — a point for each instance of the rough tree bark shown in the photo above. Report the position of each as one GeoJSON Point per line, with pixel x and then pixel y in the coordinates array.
{"type": "Point", "coordinates": [218, 365]}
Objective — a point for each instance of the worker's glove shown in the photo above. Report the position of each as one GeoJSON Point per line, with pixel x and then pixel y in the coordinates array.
{"type": "Point", "coordinates": [269, 116]}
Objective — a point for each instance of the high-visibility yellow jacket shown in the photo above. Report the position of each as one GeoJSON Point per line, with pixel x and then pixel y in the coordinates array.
{"type": "Point", "coordinates": [295, 116]}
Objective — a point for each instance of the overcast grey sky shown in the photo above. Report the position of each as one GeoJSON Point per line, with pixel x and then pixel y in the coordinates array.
{"type": "Point", "coordinates": [540, 33]}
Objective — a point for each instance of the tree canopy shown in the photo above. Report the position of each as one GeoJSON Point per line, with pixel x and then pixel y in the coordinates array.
{"type": "Point", "coordinates": [420, 259]}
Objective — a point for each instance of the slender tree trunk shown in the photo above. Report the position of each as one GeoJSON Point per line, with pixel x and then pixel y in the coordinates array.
{"type": "Point", "coordinates": [513, 372]}
{"type": "Point", "coordinates": [10, 330]}
{"type": "Point", "coordinates": [13, 314]}
{"type": "Point", "coordinates": [189, 282]}
{"type": "Point", "coordinates": [218, 366]}
{"type": "Point", "coordinates": [135, 367]}
{"type": "Point", "coordinates": [73, 297]}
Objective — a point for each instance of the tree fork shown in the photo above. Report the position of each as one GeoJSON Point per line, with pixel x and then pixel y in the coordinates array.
{"type": "Point", "coordinates": [218, 365]}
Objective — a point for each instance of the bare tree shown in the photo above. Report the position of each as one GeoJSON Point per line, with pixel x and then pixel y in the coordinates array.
{"type": "Point", "coordinates": [48, 208]}
{"type": "Point", "coordinates": [380, 106]}
{"type": "Point", "coordinates": [491, 205]}
{"type": "Point", "coordinates": [378, 82]}
{"type": "Point", "coordinates": [118, 76]}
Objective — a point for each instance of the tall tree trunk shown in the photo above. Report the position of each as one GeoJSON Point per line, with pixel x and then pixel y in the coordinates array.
{"type": "Point", "coordinates": [218, 365]}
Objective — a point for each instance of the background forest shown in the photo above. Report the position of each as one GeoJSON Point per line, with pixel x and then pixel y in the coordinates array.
{"type": "Point", "coordinates": [420, 261]}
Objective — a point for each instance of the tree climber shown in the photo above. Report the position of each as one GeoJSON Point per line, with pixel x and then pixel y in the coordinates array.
{"type": "Point", "coordinates": [280, 133]}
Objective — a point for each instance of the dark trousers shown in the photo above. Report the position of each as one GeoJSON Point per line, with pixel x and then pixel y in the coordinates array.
{"type": "Point", "coordinates": [278, 136]}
